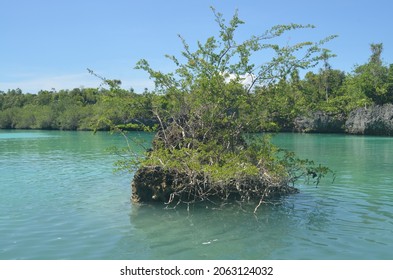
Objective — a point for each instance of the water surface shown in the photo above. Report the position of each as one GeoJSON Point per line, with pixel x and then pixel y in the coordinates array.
{"type": "Point", "coordinates": [59, 199]}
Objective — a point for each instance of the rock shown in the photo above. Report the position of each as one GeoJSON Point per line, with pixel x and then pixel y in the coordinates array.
{"type": "Point", "coordinates": [151, 184]}
{"type": "Point", "coordinates": [320, 122]}
{"type": "Point", "coordinates": [154, 183]}
{"type": "Point", "coordinates": [356, 122]}
{"type": "Point", "coordinates": [376, 120]}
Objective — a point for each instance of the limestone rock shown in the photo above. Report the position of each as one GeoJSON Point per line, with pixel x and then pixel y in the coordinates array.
{"type": "Point", "coordinates": [376, 120]}
{"type": "Point", "coordinates": [320, 122]}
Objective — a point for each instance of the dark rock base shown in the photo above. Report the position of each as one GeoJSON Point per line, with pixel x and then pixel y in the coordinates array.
{"type": "Point", "coordinates": [155, 184]}
{"type": "Point", "coordinates": [320, 122]}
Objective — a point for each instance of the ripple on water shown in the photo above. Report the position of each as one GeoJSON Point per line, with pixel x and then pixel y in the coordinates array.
{"type": "Point", "coordinates": [60, 200]}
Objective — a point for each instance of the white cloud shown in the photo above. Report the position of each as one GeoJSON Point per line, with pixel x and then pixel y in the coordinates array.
{"type": "Point", "coordinates": [35, 84]}
{"type": "Point", "coordinates": [246, 79]}
{"type": "Point", "coordinates": [31, 84]}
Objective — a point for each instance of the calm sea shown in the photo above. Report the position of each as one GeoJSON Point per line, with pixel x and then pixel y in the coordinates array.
{"type": "Point", "coordinates": [59, 199]}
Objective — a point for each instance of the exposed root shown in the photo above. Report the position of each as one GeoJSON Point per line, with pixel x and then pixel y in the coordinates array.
{"type": "Point", "coordinates": [173, 188]}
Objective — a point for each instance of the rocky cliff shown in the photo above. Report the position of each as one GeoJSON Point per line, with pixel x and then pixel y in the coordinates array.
{"type": "Point", "coordinates": [320, 122]}
{"type": "Point", "coordinates": [376, 120]}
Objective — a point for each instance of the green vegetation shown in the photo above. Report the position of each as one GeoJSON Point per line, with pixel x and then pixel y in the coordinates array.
{"type": "Point", "coordinates": [77, 109]}
{"type": "Point", "coordinates": [201, 151]}
{"type": "Point", "coordinates": [271, 105]}
{"type": "Point", "coordinates": [329, 90]}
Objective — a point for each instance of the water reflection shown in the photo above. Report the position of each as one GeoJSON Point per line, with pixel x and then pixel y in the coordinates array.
{"type": "Point", "coordinates": [229, 233]}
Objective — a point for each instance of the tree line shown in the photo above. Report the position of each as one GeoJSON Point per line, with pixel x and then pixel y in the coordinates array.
{"type": "Point", "coordinates": [272, 106]}
{"type": "Point", "coordinates": [76, 109]}
{"type": "Point", "coordinates": [329, 90]}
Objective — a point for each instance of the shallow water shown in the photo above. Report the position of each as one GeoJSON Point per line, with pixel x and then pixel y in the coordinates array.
{"type": "Point", "coordinates": [59, 199]}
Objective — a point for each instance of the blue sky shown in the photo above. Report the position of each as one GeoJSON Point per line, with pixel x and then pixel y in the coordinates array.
{"type": "Point", "coordinates": [49, 44]}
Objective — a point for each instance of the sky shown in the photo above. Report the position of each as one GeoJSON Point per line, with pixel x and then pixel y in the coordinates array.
{"type": "Point", "coordinates": [48, 44]}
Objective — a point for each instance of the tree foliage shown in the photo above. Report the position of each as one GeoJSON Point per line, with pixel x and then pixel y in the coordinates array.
{"type": "Point", "coordinates": [207, 90]}
{"type": "Point", "coordinates": [374, 78]}
{"type": "Point", "coordinates": [76, 109]}
{"type": "Point", "coordinates": [266, 106]}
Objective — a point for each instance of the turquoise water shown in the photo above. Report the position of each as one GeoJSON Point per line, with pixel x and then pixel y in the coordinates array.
{"type": "Point", "coordinates": [59, 199]}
